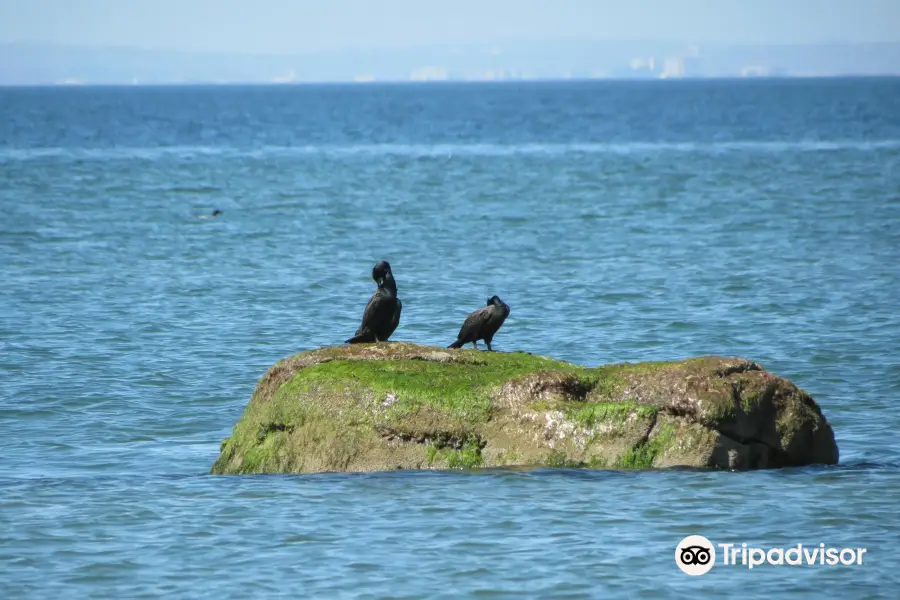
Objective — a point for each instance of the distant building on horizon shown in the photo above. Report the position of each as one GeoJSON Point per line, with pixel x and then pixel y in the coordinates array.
{"type": "Point", "coordinates": [755, 71]}
{"type": "Point", "coordinates": [429, 74]}
{"type": "Point", "coordinates": [673, 68]}
{"type": "Point", "coordinates": [290, 77]}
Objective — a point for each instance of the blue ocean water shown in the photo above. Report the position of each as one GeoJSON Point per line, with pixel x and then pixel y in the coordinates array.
{"type": "Point", "coordinates": [620, 221]}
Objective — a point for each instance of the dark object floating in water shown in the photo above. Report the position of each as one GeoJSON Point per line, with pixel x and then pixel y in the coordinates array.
{"type": "Point", "coordinates": [382, 313]}
{"type": "Point", "coordinates": [482, 324]}
{"type": "Point", "coordinates": [216, 212]}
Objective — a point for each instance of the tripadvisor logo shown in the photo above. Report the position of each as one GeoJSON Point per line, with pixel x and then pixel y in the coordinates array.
{"type": "Point", "coordinates": [696, 555]}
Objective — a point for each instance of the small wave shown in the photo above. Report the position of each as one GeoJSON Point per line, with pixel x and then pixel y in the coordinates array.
{"type": "Point", "coordinates": [866, 465]}
{"type": "Point", "coordinates": [444, 150]}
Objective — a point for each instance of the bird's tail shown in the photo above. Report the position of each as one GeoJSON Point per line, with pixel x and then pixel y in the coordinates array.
{"type": "Point", "coordinates": [361, 338]}
{"type": "Point", "coordinates": [456, 344]}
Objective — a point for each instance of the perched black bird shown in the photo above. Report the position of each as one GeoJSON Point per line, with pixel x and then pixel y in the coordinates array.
{"type": "Point", "coordinates": [482, 324]}
{"type": "Point", "coordinates": [382, 314]}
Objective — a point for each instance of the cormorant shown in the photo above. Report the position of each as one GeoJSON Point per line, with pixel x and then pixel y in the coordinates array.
{"type": "Point", "coordinates": [382, 314]}
{"type": "Point", "coordinates": [482, 324]}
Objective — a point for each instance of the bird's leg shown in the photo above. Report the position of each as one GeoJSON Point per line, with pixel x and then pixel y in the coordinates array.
{"type": "Point", "coordinates": [489, 346]}
{"type": "Point", "coordinates": [474, 343]}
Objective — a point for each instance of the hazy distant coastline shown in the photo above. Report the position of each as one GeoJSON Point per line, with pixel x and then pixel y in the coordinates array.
{"type": "Point", "coordinates": [29, 63]}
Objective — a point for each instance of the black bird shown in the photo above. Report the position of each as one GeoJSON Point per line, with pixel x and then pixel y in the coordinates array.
{"type": "Point", "coordinates": [482, 324]}
{"type": "Point", "coordinates": [216, 212]}
{"type": "Point", "coordinates": [382, 314]}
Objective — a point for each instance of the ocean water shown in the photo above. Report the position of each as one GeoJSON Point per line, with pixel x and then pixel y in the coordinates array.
{"type": "Point", "coordinates": [620, 221]}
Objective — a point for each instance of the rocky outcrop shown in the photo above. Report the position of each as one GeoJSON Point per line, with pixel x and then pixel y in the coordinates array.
{"type": "Point", "coordinates": [396, 405]}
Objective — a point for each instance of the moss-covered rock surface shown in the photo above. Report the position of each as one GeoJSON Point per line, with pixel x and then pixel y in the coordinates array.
{"type": "Point", "coordinates": [386, 406]}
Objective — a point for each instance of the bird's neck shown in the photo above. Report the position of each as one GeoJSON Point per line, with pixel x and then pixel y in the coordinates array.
{"type": "Point", "coordinates": [389, 284]}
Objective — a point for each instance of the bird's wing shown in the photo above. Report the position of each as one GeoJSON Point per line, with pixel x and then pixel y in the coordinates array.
{"type": "Point", "coordinates": [473, 323]}
{"type": "Point", "coordinates": [366, 313]}
{"type": "Point", "coordinates": [396, 320]}
{"type": "Point", "coordinates": [375, 309]}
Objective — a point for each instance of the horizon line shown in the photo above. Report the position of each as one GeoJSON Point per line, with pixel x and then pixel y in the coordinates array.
{"type": "Point", "coordinates": [350, 82]}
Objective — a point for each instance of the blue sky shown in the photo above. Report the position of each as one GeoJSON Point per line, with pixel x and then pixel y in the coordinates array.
{"type": "Point", "coordinates": [302, 26]}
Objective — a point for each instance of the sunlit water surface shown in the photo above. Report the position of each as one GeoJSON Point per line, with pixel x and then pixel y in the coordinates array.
{"type": "Point", "coordinates": [620, 221]}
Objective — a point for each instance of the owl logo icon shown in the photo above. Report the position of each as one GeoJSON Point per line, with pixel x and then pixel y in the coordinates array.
{"type": "Point", "coordinates": [695, 555]}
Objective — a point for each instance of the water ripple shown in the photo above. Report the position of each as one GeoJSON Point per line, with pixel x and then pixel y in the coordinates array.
{"type": "Point", "coordinates": [152, 153]}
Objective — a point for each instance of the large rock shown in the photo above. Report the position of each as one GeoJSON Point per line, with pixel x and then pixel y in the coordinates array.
{"type": "Point", "coordinates": [392, 405]}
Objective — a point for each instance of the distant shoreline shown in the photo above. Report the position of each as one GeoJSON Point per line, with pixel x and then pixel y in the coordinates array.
{"type": "Point", "coordinates": [38, 63]}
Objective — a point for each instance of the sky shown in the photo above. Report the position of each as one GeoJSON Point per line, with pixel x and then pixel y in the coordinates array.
{"type": "Point", "coordinates": [310, 26]}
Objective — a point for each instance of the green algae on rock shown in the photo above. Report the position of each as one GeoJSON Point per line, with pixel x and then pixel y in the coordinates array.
{"type": "Point", "coordinates": [393, 405]}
